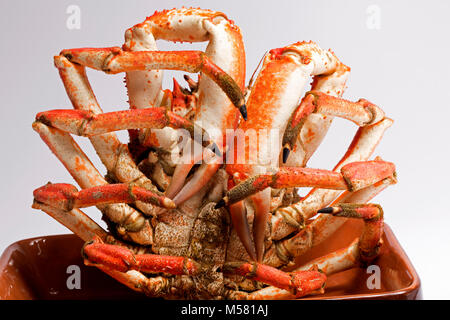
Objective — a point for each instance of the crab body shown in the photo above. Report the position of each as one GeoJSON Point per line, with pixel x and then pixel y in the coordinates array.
{"type": "Point", "coordinates": [218, 215]}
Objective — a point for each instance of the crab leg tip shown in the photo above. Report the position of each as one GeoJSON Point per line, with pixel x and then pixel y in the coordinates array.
{"type": "Point", "coordinates": [332, 210]}
{"type": "Point", "coordinates": [286, 152]}
{"type": "Point", "coordinates": [243, 111]}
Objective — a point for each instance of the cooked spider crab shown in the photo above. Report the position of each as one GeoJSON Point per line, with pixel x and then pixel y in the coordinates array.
{"type": "Point", "coordinates": [213, 224]}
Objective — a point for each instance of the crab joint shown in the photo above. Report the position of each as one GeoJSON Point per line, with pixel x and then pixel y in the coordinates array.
{"type": "Point", "coordinates": [353, 176]}
{"type": "Point", "coordinates": [362, 113]}
{"type": "Point", "coordinates": [122, 259]}
{"type": "Point", "coordinates": [372, 214]}
{"type": "Point", "coordinates": [114, 60]}
{"type": "Point", "coordinates": [66, 196]}
{"type": "Point", "coordinates": [300, 283]}
{"type": "Point", "coordinates": [295, 124]}
{"type": "Point", "coordinates": [86, 123]}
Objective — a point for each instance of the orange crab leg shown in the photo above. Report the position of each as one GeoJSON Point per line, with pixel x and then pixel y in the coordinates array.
{"type": "Point", "coordinates": [122, 259]}
{"type": "Point", "coordinates": [361, 148]}
{"type": "Point", "coordinates": [86, 175]}
{"type": "Point", "coordinates": [86, 123]}
{"type": "Point", "coordinates": [113, 154]}
{"type": "Point", "coordinates": [300, 283]}
{"type": "Point", "coordinates": [181, 172]}
{"type": "Point", "coordinates": [114, 60]}
{"type": "Point", "coordinates": [261, 201]}
{"type": "Point", "coordinates": [353, 176]}
{"type": "Point", "coordinates": [238, 214]}
{"type": "Point", "coordinates": [323, 227]}
{"type": "Point", "coordinates": [180, 193]}
{"type": "Point", "coordinates": [362, 113]}
{"type": "Point", "coordinates": [273, 98]}
{"type": "Point", "coordinates": [75, 220]}
{"type": "Point", "coordinates": [66, 196]}
{"type": "Point", "coordinates": [240, 224]}
{"type": "Point", "coordinates": [201, 177]}
{"type": "Point", "coordinates": [372, 214]}
{"type": "Point", "coordinates": [213, 109]}
{"type": "Point", "coordinates": [325, 224]}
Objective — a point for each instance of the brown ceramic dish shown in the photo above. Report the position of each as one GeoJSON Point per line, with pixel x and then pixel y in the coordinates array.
{"type": "Point", "coordinates": [37, 269]}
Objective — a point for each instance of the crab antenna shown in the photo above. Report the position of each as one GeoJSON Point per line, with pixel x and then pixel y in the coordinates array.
{"type": "Point", "coordinates": [250, 83]}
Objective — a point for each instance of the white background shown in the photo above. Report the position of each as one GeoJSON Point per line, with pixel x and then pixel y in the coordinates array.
{"type": "Point", "coordinates": [403, 67]}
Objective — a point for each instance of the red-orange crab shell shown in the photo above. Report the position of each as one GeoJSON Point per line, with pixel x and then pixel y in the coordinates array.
{"type": "Point", "coordinates": [195, 225]}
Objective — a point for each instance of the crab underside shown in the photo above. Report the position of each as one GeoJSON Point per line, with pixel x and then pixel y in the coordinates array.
{"type": "Point", "coordinates": [202, 203]}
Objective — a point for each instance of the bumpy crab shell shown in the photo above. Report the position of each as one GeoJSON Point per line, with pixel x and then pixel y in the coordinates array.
{"type": "Point", "coordinates": [209, 222]}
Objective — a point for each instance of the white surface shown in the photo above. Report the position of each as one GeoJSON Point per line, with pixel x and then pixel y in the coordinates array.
{"type": "Point", "coordinates": [403, 67]}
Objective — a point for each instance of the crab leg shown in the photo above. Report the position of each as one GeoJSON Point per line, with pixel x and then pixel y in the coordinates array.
{"type": "Point", "coordinates": [334, 262]}
{"type": "Point", "coordinates": [180, 193]}
{"type": "Point", "coordinates": [291, 218]}
{"type": "Point", "coordinates": [326, 224]}
{"type": "Point", "coordinates": [144, 87]}
{"type": "Point", "coordinates": [362, 113]}
{"type": "Point", "coordinates": [311, 131]}
{"type": "Point", "coordinates": [321, 228]}
{"type": "Point", "coordinates": [314, 127]}
{"type": "Point", "coordinates": [361, 251]}
{"type": "Point", "coordinates": [273, 98]}
{"type": "Point", "coordinates": [277, 90]}
{"type": "Point", "coordinates": [240, 224]}
{"type": "Point", "coordinates": [87, 176]}
{"type": "Point", "coordinates": [299, 283]}
{"type": "Point", "coordinates": [87, 229]}
{"type": "Point", "coordinates": [340, 260]}
{"type": "Point", "coordinates": [353, 176]}
{"type": "Point", "coordinates": [198, 181]}
{"type": "Point", "coordinates": [181, 172]}
{"type": "Point", "coordinates": [122, 259]}
{"type": "Point", "coordinates": [66, 196]}
{"type": "Point", "coordinates": [87, 123]}
{"type": "Point", "coordinates": [114, 60]}
{"type": "Point", "coordinates": [75, 220]}
{"type": "Point", "coordinates": [82, 225]}
{"type": "Point", "coordinates": [225, 49]}
{"type": "Point", "coordinates": [261, 202]}
{"type": "Point", "coordinates": [372, 214]}
{"type": "Point", "coordinates": [115, 156]}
